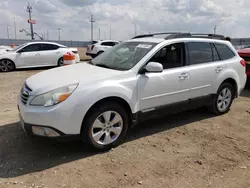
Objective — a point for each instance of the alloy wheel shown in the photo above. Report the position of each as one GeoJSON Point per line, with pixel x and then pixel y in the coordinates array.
{"type": "Point", "coordinates": [107, 128]}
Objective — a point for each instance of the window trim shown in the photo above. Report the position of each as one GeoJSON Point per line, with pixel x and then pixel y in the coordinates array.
{"type": "Point", "coordinates": [212, 45]}
{"type": "Point", "coordinates": [188, 53]}
{"type": "Point", "coordinates": [183, 64]}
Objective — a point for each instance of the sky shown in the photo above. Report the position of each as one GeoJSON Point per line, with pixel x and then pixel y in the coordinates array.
{"type": "Point", "coordinates": [124, 17]}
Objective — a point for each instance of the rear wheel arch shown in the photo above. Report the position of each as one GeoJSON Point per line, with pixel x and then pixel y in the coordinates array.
{"type": "Point", "coordinates": [233, 83]}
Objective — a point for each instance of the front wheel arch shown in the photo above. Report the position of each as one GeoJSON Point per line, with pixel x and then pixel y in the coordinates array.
{"type": "Point", "coordinates": [117, 100]}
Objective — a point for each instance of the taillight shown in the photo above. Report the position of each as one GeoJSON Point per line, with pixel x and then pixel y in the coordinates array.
{"type": "Point", "coordinates": [243, 62]}
{"type": "Point", "coordinates": [92, 47]}
{"type": "Point", "coordinates": [75, 52]}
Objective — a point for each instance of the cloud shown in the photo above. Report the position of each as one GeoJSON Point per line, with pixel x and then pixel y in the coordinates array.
{"type": "Point", "coordinates": [72, 16]}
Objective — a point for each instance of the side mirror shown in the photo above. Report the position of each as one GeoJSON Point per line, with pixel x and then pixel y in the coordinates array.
{"type": "Point", "coordinates": [19, 51]}
{"type": "Point", "coordinates": [153, 67]}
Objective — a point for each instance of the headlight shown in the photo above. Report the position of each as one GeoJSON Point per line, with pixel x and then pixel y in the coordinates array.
{"type": "Point", "coordinates": [53, 97]}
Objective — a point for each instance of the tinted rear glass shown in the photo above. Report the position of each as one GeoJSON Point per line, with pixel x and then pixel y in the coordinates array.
{"type": "Point", "coordinates": [224, 51]}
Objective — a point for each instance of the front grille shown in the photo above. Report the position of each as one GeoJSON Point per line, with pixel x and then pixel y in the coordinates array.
{"type": "Point", "coordinates": [25, 92]}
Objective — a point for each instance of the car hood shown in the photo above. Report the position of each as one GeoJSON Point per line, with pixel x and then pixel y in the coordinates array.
{"type": "Point", "coordinates": [82, 73]}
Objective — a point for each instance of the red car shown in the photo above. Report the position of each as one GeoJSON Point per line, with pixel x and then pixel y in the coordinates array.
{"type": "Point", "coordinates": [245, 54]}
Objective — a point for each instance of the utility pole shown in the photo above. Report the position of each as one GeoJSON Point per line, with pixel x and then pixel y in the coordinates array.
{"type": "Point", "coordinates": [215, 28]}
{"type": "Point", "coordinates": [92, 21]}
{"type": "Point", "coordinates": [135, 29]}
{"type": "Point", "coordinates": [99, 33]}
{"type": "Point", "coordinates": [8, 34]}
{"type": "Point", "coordinates": [47, 34]}
{"type": "Point", "coordinates": [15, 28]}
{"type": "Point", "coordinates": [110, 32]}
{"type": "Point", "coordinates": [29, 10]}
{"type": "Point", "coordinates": [105, 32]}
{"type": "Point", "coordinates": [59, 34]}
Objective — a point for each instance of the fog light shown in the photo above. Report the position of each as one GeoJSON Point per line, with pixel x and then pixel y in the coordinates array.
{"type": "Point", "coordinates": [44, 131]}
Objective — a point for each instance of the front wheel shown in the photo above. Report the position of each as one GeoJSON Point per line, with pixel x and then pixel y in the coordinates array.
{"type": "Point", "coordinates": [6, 65]}
{"type": "Point", "coordinates": [223, 100]}
{"type": "Point", "coordinates": [105, 127]}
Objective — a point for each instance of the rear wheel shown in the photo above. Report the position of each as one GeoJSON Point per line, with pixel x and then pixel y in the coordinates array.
{"type": "Point", "coordinates": [105, 126]}
{"type": "Point", "coordinates": [223, 100]}
{"type": "Point", "coordinates": [6, 65]}
{"type": "Point", "coordinates": [60, 62]}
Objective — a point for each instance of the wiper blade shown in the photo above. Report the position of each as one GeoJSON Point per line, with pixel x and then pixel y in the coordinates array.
{"type": "Point", "coordinates": [104, 66]}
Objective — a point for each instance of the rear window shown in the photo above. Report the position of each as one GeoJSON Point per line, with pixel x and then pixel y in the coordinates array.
{"type": "Point", "coordinates": [224, 51]}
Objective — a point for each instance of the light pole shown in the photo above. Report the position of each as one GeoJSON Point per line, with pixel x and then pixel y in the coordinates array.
{"type": "Point", "coordinates": [99, 30]}
{"type": "Point", "coordinates": [59, 34]}
{"type": "Point", "coordinates": [15, 28]}
{"type": "Point", "coordinates": [29, 10]}
{"type": "Point", "coordinates": [110, 32]}
{"type": "Point", "coordinates": [135, 28]}
{"type": "Point", "coordinates": [8, 33]}
{"type": "Point", "coordinates": [92, 21]}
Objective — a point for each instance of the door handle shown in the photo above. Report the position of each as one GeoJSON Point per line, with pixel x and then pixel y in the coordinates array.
{"type": "Point", "coordinates": [183, 76]}
{"type": "Point", "coordinates": [218, 69]}
{"type": "Point", "coordinates": [37, 54]}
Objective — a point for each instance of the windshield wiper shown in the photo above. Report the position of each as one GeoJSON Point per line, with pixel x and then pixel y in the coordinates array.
{"type": "Point", "coordinates": [104, 66]}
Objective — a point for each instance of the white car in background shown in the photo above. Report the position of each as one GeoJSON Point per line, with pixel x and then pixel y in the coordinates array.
{"type": "Point", "coordinates": [35, 54]}
{"type": "Point", "coordinates": [98, 47]}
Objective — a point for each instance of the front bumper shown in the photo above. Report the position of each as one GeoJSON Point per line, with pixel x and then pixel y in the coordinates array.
{"type": "Point", "coordinates": [64, 119]}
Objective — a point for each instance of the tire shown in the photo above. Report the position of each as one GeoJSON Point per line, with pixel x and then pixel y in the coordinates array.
{"type": "Point", "coordinates": [223, 100]}
{"type": "Point", "coordinates": [7, 65]}
{"type": "Point", "coordinates": [60, 62]}
{"type": "Point", "coordinates": [95, 124]}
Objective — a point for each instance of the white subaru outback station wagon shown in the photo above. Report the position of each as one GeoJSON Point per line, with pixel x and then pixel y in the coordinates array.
{"type": "Point", "coordinates": [101, 99]}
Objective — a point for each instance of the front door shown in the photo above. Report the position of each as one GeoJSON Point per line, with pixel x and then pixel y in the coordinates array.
{"type": "Point", "coordinates": [157, 90]}
{"type": "Point", "coordinates": [29, 56]}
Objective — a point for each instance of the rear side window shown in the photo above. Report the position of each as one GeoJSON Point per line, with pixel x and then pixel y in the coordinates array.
{"type": "Point", "coordinates": [224, 51]}
{"type": "Point", "coordinates": [108, 44]}
{"type": "Point", "coordinates": [49, 47]}
{"type": "Point", "coordinates": [200, 52]}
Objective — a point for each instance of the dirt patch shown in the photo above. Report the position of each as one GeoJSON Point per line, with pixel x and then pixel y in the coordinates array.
{"type": "Point", "coordinates": [190, 150]}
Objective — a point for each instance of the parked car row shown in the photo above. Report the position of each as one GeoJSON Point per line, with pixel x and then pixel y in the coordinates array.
{"type": "Point", "coordinates": [100, 100]}
{"type": "Point", "coordinates": [35, 54]}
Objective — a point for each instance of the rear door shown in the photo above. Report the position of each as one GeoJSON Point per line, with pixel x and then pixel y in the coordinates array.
{"type": "Point", "coordinates": [204, 67]}
{"type": "Point", "coordinates": [50, 54]}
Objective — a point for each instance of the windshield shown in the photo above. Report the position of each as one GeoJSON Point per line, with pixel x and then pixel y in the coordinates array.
{"type": "Point", "coordinates": [124, 55]}
{"type": "Point", "coordinates": [18, 47]}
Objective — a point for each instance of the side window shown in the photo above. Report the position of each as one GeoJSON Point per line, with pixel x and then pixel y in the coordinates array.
{"type": "Point", "coordinates": [215, 53]}
{"type": "Point", "coordinates": [107, 44]}
{"type": "Point", "coordinates": [32, 48]}
{"type": "Point", "coordinates": [170, 56]}
{"type": "Point", "coordinates": [200, 52]}
{"type": "Point", "coordinates": [49, 47]}
{"type": "Point", "coordinates": [224, 51]}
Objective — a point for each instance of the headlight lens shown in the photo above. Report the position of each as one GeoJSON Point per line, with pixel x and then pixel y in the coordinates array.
{"type": "Point", "coordinates": [54, 97]}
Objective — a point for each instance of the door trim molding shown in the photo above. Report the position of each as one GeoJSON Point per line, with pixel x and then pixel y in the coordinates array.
{"type": "Point", "coordinates": [165, 94]}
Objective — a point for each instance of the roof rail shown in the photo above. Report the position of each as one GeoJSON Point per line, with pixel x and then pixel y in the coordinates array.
{"type": "Point", "coordinates": [153, 34]}
{"type": "Point", "coordinates": [173, 35]}
{"type": "Point", "coordinates": [197, 35]}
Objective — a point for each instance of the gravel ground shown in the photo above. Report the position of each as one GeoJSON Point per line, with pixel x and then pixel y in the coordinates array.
{"type": "Point", "coordinates": [190, 150]}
